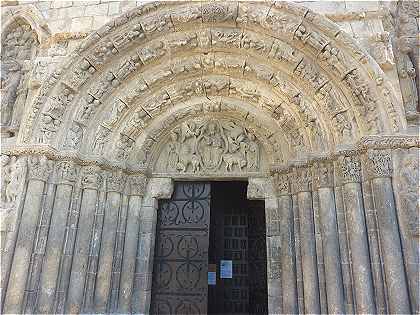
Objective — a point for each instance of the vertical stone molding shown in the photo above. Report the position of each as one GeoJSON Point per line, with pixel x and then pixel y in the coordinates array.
{"type": "Point", "coordinates": [157, 188]}
{"type": "Point", "coordinates": [91, 182]}
{"type": "Point", "coordinates": [302, 181]}
{"type": "Point", "coordinates": [323, 178]}
{"type": "Point", "coordinates": [287, 248]}
{"type": "Point", "coordinates": [344, 250]}
{"type": "Point", "coordinates": [115, 183]}
{"type": "Point", "coordinates": [136, 187]}
{"type": "Point", "coordinates": [39, 170]}
{"type": "Point", "coordinates": [350, 170]}
{"type": "Point", "coordinates": [65, 175]}
{"type": "Point", "coordinates": [374, 248]}
{"type": "Point", "coordinates": [406, 192]}
{"type": "Point", "coordinates": [380, 170]}
{"type": "Point", "coordinates": [13, 188]}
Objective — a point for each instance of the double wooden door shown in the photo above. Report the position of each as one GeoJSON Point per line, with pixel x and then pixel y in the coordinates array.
{"type": "Point", "coordinates": [204, 223]}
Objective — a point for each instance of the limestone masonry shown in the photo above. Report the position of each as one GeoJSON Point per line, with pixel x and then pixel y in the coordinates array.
{"type": "Point", "coordinates": [105, 104]}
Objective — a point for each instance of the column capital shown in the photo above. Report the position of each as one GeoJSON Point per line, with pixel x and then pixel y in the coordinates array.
{"type": "Point", "coordinates": [115, 181]}
{"type": "Point", "coordinates": [91, 177]}
{"type": "Point", "coordinates": [301, 179]}
{"type": "Point", "coordinates": [282, 183]}
{"type": "Point", "coordinates": [350, 168]}
{"type": "Point", "coordinates": [66, 172]}
{"type": "Point", "coordinates": [323, 174]}
{"type": "Point", "coordinates": [39, 167]}
{"type": "Point", "coordinates": [136, 185]}
{"type": "Point", "coordinates": [379, 163]}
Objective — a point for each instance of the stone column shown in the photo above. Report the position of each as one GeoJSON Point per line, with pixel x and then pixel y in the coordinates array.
{"type": "Point", "coordinates": [331, 247]}
{"type": "Point", "coordinates": [362, 275]}
{"type": "Point", "coordinates": [39, 169]}
{"type": "Point", "coordinates": [65, 176]}
{"type": "Point", "coordinates": [287, 246]}
{"type": "Point", "coordinates": [136, 186]}
{"type": "Point", "coordinates": [380, 169]}
{"type": "Point", "coordinates": [375, 252]}
{"type": "Point", "coordinates": [114, 186]}
{"type": "Point", "coordinates": [405, 181]}
{"type": "Point", "coordinates": [158, 188]}
{"type": "Point", "coordinates": [302, 186]}
{"type": "Point", "coordinates": [12, 206]}
{"type": "Point", "coordinates": [346, 269]}
{"type": "Point", "coordinates": [91, 181]}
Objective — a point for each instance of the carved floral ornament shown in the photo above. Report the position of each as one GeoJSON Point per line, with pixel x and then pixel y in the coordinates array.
{"type": "Point", "coordinates": [104, 65]}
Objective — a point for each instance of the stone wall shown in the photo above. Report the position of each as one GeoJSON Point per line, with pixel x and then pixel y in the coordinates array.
{"type": "Point", "coordinates": [105, 103]}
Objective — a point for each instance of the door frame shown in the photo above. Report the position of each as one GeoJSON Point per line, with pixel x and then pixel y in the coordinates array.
{"type": "Point", "coordinates": [258, 188]}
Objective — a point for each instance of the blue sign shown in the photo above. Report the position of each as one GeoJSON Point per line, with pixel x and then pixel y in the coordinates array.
{"type": "Point", "coordinates": [226, 269]}
{"type": "Point", "coordinates": [211, 278]}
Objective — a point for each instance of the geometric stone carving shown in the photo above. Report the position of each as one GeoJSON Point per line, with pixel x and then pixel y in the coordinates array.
{"type": "Point", "coordinates": [208, 145]}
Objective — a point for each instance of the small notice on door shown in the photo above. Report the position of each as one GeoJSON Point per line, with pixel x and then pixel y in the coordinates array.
{"type": "Point", "coordinates": [211, 278]}
{"type": "Point", "coordinates": [226, 269]}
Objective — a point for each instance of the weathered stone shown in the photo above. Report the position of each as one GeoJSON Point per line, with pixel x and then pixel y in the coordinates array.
{"type": "Point", "coordinates": [269, 93]}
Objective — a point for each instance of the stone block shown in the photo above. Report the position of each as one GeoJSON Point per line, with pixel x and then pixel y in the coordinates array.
{"type": "Point", "coordinates": [58, 26]}
{"type": "Point", "coordinates": [114, 8]}
{"type": "Point", "coordinates": [61, 4]}
{"type": "Point", "coordinates": [71, 12]}
{"type": "Point", "coordinates": [81, 24]}
{"type": "Point", "coordinates": [97, 10]}
{"type": "Point", "coordinates": [99, 21]}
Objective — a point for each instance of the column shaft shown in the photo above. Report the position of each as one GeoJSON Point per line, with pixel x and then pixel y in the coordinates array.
{"type": "Point", "coordinates": [287, 258]}
{"type": "Point", "coordinates": [118, 256]}
{"type": "Point", "coordinates": [32, 287]}
{"type": "Point", "coordinates": [103, 279]}
{"type": "Point", "coordinates": [375, 253]}
{"type": "Point", "coordinates": [391, 246]}
{"type": "Point", "coordinates": [331, 251]}
{"type": "Point", "coordinates": [308, 253]}
{"type": "Point", "coordinates": [344, 251]}
{"type": "Point", "coordinates": [24, 245]}
{"type": "Point", "coordinates": [144, 260]}
{"type": "Point", "coordinates": [81, 251]}
{"type": "Point", "coordinates": [362, 275]}
{"type": "Point", "coordinates": [298, 259]}
{"type": "Point", "coordinates": [130, 249]}
{"type": "Point", "coordinates": [51, 263]}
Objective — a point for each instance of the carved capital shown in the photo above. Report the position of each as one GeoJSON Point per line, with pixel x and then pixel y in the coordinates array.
{"type": "Point", "coordinates": [161, 188]}
{"type": "Point", "coordinates": [66, 172]}
{"type": "Point", "coordinates": [256, 189]}
{"type": "Point", "coordinates": [39, 167]}
{"type": "Point", "coordinates": [115, 181]}
{"type": "Point", "coordinates": [379, 163]}
{"type": "Point", "coordinates": [282, 183]}
{"type": "Point", "coordinates": [302, 179]}
{"type": "Point", "coordinates": [323, 174]}
{"type": "Point", "coordinates": [350, 169]}
{"type": "Point", "coordinates": [136, 185]}
{"type": "Point", "coordinates": [91, 177]}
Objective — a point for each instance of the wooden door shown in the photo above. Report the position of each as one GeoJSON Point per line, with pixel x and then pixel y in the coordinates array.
{"type": "Point", "coordinates": [181, 251]}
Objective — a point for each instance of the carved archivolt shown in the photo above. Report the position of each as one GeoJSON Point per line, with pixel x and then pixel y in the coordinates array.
{"type": "Point", "coordinates": [312, 78]}
{"type": "Point", "coordinates": [208, 146]}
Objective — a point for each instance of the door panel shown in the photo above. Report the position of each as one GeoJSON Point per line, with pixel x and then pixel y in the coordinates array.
{"type": "Point", "coordinates": [181, 251]}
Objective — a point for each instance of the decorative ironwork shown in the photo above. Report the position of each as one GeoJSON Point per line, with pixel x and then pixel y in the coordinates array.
{"type": "Point", "coordinates": [181, 251]}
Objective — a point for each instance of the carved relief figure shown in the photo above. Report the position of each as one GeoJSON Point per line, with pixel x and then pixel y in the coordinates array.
{"type": "Point", "coordinates": [18, 48]}
{"type": "Point", "coordinates": [210, 145]}
{"type": "Point", "coordinates": [10, 179]}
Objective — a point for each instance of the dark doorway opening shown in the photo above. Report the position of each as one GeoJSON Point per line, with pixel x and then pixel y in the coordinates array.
{"type": "Point", "coordinates": [237, 234]}
{"type": "Point", "coordinates": [204, 226]}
